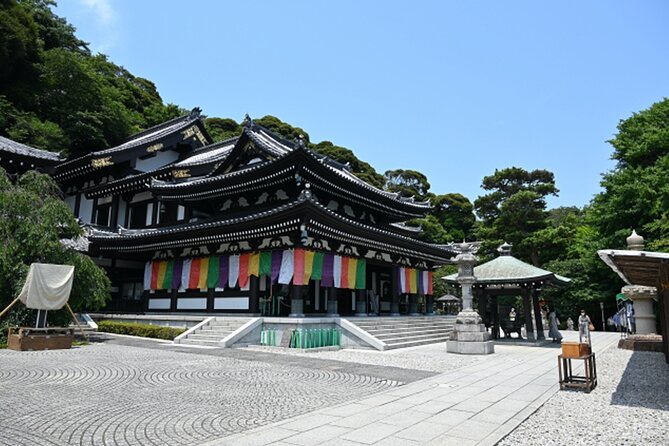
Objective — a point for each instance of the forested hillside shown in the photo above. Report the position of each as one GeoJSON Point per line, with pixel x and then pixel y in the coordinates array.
{"type": "Point", "coordinates": [56, 95]}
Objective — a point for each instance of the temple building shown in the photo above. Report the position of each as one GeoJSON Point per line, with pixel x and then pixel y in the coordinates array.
{"type": "Point", "coordinates": [255, 224]}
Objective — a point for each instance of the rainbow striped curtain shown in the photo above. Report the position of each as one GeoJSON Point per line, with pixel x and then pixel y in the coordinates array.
{"type": "Point", "coordinates": [297, 266]}
{"type": "Point", "coordinates": [414, 281]}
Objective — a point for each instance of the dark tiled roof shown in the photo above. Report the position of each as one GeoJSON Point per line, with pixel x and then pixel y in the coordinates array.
{"type": "Point", "coordinates": [400, 242]}
{"type": "Point", "coordinates": [7, 145]}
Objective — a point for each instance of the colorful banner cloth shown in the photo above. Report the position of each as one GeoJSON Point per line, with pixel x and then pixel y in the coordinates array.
{"type": "Point", "coordinates": [297, 266]}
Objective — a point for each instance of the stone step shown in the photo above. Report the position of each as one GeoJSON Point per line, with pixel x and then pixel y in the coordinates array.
{"type": "Point", "coordinates": [403, 326]}
{"type": "Point", "coordinates": [206, 336]}
{"type": "Point", "coordinates": [207, 342]}
{"type": "Point", "coordinates": [412, 334]}
{"type": "Point", "coordinates": [416, 343]}
{"type": "Point", "coordinates": [399, 339]}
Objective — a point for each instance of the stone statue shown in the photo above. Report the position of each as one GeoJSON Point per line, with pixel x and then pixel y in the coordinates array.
{"type": "Point", "coordinates": [512, 314]}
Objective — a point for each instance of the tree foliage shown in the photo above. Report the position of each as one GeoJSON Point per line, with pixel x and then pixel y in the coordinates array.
{"type": "Point", "coordinates": [636, 193]}
{"type": "Point", "coordinates": [408, 183]}
{"type": "Point", "coordinates": [33, 220]}
{"type": "Point", "coordinates": [514, 209]}
{"type": "Point", "coordinates": [55, 95]}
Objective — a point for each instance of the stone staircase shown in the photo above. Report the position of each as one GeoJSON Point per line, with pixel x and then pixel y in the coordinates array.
{"type": "Point", "coordinates": [211, 334]}
{"type": "Point", "coordinates": [407, 331]}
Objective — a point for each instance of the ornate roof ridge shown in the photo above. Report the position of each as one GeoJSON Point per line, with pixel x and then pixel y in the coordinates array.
{"type": "Point", "coordinates": [193, 115]}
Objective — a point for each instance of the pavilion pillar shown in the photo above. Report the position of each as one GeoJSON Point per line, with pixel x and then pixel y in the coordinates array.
{"type": "Point", "coordinates": [413, 304]}
{"type": "Point", "coordinates": [254, 295]}
{"type": "Point", "coordinates": [332, 301]}
{"type": "Point", "coordinates": [429, 305]}
{"type": "Point", "coordinates": [297, 301]}
{"type": "Point", "coordinates": [361, 303]}
{"type": "Point", "coordinates": [537, 315]}
{"type": "Point", "coordinates": [394, 294]}
{"type": "Point", "coordinates": [527, 308]}
{"type": "Point", "coordinates": [494, 317]}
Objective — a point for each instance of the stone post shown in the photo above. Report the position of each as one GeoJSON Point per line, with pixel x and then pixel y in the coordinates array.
{"type": "Point", "coordinates": [642, 296]}
{"type": "Point", "coordinates": [469, 335]}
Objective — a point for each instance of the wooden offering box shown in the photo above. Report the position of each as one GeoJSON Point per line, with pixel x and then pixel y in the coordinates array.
{"type": "Point", "coordinates": [575, 349]}
{"type": "Point", "coordinates": [40, 338]}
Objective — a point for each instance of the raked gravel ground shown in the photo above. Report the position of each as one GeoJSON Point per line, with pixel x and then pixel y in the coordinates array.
{"type": "Point", "coordinates": [630, 406]}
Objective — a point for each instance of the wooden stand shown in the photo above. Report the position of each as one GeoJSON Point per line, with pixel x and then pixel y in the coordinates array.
{"type": "Point", "coordinates": [40, 338]}
{"type": "Point", "coordinates": [569, 380]}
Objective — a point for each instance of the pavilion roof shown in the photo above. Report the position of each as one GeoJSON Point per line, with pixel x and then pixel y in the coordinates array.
{"type": "Point", "coordinates": [510, 271]}
{"type": "Point", "coordinates": [638, 267]}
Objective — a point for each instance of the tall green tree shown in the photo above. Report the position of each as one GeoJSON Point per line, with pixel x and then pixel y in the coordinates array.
{"type": "Point", "coordinates": [636, 191]}
{"type": "Point", "coordinates": [408, 183]}
{"type": "Point", "coordinates": [514, 209]}
{"type": "Point", "coordinates": [33, 220]}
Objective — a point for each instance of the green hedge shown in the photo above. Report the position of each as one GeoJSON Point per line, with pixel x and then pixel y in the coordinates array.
{"type": "Point", "coordinates": [143, 330]}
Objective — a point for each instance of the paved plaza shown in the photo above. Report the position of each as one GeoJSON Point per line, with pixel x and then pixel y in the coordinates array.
{"type": "Point", "coordinates": [127, 391]}
{"type": "Point", "coordinates": [110, 394]}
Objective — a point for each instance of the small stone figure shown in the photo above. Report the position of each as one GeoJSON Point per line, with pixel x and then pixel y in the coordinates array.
{"type": "Point", "coordinates": [512, 314]}
{"type": "Point", "coordinates": [570, 324]}
{"type": "Point", "coordinates": [584, 327]}
{"type": "Point", "coordinates": [554, 331]}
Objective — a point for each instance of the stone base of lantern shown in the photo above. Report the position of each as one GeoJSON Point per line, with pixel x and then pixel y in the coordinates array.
{"type": "Point", "coordinates": [469, 337]}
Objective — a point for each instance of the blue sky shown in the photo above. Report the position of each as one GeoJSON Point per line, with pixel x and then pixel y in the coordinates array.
{"type": "Point", "coordinates": [452, 89]}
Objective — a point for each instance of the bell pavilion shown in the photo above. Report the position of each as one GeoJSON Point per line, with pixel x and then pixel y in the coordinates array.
{"type": "Point", "coordinates": [255, 224]}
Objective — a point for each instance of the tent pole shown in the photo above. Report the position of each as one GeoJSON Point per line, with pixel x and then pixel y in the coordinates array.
{"type": "Point", "coordinates": [9, 306]}
{"type": "Point", "coordinates": [76, 321]}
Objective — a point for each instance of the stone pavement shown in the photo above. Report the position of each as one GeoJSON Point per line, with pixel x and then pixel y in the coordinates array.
{"type": "Point", "coordinates": [476, 405]}
{"type": "Point", "coordinates": [151, 393]}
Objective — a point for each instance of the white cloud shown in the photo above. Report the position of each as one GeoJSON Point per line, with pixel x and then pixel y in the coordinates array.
{"type": "Point", "coordinates": [105, 34]}
{"type": "Point", "coordinates": [102, 9]}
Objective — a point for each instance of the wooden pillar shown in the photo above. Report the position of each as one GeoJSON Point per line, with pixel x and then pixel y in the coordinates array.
{"type": "Point", "coordinates": [77, 204]}
{"type": "Point", "coordinates": [413, 304]}
{"type": "Point", "coordinates": [94, 211]}
{"type": "Point", "coordinates": [537, 315]}
{"type": "Point", "coordinates": [429, 305]}
{"type": "Point", "coordinates": [113, 213]}
{"type": "Point", "coordinates": [173, 300]}
{"type": "Point", "coordinates": [361, 303]}
{"type": "Point", "coordinates": [254, 295]}
{"type": "Point", "coordinates": [527, 308]}
{"type": "Point", "coordinates": [394, 293]}
{"type": "Point", "coordinates": [297, 301]}
{"type": "Point", "coordinates": [211, 299]}
{"type": "Point", "coordinates": [494, 317]}
{"type": "Point", "coordinates": [332, 301]}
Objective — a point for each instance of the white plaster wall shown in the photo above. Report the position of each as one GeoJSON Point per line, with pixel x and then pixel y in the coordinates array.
{"type": "Point", "coordinates": [121, 212]}
{"type": "Point", "coordinates": [161, 159]}
{"type": "Point", "coordinates": [85, 209]}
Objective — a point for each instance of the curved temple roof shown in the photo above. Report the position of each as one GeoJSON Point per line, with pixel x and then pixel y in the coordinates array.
{"type": "Point", "coordinates": [283, 154]}
{"type": "Point", "coordinates": [284, 218]}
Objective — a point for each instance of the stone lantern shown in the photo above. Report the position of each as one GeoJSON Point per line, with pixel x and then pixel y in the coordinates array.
{"type": "Point", "coordinates": [469, 335]}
